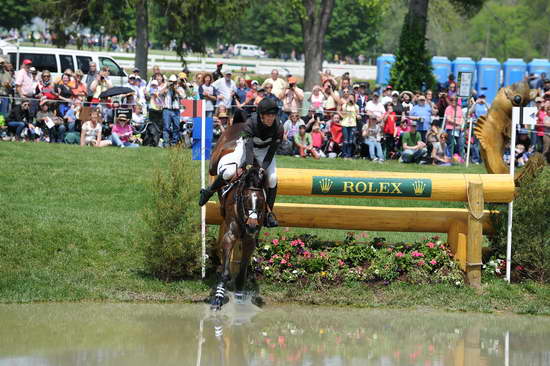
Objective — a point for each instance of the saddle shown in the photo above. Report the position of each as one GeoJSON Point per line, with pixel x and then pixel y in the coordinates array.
{"type": "Point", "coordinates": [225, 145]}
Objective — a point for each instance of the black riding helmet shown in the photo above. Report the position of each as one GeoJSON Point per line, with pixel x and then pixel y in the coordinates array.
{"type": "Point", "coordinates": [267, 106]}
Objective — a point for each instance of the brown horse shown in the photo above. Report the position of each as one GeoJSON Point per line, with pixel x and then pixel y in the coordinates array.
{"type": "Point", "coordinates": [243, 207]}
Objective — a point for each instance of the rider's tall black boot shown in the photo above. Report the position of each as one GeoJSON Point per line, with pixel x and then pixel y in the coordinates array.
{"type": "Point", "coordinates": [270, 219]}
{"type": "Point", "coordinates": [208, 192]}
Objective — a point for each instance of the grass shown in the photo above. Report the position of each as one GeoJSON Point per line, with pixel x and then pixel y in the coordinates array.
{"type": "Point", "coordinates": [71, 230]}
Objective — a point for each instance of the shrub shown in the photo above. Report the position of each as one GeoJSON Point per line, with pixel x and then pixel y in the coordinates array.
{"type": "Point", "coordinates": [173, 249]}
{"type": "Point", "coordinates": [530, 230]}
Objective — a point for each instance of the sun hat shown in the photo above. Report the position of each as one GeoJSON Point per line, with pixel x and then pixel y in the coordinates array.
{"type": "Point", "coordinates": [292, 80]}
{"type": "Point", "coordinates": [222, 115]}
{"type": "Point", "coordinates": [406, 92]}
{"type": "Point", "coordinates": [254, 82]}
{"type": "Point", "coordinates": [173, 78]}
{"type": "Point", "coordinates": [182, 75]}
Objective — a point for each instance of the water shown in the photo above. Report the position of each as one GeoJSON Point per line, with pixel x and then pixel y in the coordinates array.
{"type": "Point", "coordinates": [176, 334]}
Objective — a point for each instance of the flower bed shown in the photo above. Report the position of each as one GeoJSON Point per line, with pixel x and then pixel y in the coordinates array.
{"type": "Point", "coordinates": [288, 258]}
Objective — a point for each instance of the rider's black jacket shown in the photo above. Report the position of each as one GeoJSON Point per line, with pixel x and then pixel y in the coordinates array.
{"type": "Point", "coordinates": [259, 136]}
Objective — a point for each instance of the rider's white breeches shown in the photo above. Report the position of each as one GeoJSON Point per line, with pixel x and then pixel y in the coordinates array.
{"type": "Point", "coordinates": [229, 163]}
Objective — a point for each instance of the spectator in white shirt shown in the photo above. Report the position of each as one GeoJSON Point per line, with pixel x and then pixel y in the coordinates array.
{"type": "Point", "coordinates": [226, 89]}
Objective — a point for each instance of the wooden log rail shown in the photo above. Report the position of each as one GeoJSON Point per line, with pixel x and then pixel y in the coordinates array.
{"type": "Point", "coordinates": [497, 188]}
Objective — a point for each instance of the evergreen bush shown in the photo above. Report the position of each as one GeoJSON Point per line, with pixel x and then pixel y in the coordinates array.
{"type": "Point", "coordinates": [530, 230]}
{"type": "Point", "coordinates": [173, 248]}
{"type": "Point", "coordinates": [412, 68]}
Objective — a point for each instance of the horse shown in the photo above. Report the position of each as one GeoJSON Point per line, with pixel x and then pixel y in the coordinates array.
{"type": "Point", "coordinates": [243, 207]}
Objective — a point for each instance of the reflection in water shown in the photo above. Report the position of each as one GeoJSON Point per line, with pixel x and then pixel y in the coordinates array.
{"type": "Point", "coordinates": [175, 334]}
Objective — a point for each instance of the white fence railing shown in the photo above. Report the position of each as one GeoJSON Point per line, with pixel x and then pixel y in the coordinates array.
{"type": "Point", "coordinates": [256, 66]}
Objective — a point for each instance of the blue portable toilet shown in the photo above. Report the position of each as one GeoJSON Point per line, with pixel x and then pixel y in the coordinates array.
{"type": "Point", "coordinates": [464, 64]}
{"type": "Point", "coordinates": [384, 64]}
{"type": "Point", "coordinates": [538, 66]}
{"type": "Point", "coordinates": [488, 78]}
{"type": "Point", "coordinates": [514, 71]}
{"type": "Point", "coordinates": [441, 68]}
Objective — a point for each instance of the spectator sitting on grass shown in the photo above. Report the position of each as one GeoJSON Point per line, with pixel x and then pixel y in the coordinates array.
{"type": "Point", "coordinates": [138, 118]}
{"type": "Point", "coordinates": [91, 131]}
{"type": "Point", "coordinates": [20, 117]}
{"type": "Point", "coordinates": [318, 139]}
{"type": "Point", "coordinates": [414, 149]}
{"type": "Point", "coordinates": [122, 132]}
{"type": "Point", "coordinates": [291, 126]}
{"type": "Point", "coordinates": [440, 151]}
{"type": "Point", "coordinates": [48, 121]}
{"type": "Point", "coordinates": [432, 136]}
{"type": "Point", "coordinates": [304, 144]}
{"type": "Point", "coordinates": [372, 135]}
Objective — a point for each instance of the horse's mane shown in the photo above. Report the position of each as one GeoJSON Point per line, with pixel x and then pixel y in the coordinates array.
{"type": "Point", "coordinates": [253, 178]}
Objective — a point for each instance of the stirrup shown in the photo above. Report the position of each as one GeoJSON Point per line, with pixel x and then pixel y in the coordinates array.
{"type": "Point", "coordinates": [271, 220]}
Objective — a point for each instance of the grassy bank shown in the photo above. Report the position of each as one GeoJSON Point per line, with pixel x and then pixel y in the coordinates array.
{"type": "Point", "coordinates": [72, 230]}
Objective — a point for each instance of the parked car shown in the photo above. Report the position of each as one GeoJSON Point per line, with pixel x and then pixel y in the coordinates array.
{"type": "Point", "coordinates": [57, 60]}
{"type": "Point", "coordinates": [248, 50]}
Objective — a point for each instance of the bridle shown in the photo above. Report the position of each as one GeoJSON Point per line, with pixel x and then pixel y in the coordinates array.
{"type": "Point", "coordinates": [252, 215]}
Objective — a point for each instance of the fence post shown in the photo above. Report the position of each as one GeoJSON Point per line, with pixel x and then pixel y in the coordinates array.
{"type": "Point", "coordinates": [458, 240]}
{"type": "Point", "coordinates": [475, 233]}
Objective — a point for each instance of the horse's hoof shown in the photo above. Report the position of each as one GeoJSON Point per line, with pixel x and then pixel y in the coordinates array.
{"type": "Point", "coordinates": [217, 303]}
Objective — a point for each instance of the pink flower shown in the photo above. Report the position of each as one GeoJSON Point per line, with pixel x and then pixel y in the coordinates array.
{"type": "Point", "coordinates": [341, 263]}
{"type": "Point", "coordinates": [275, 242]}
{"type": "Point", "coordinates": [294, 243]}
{"type": "Point", "coordinates": [431, 244]}
{"type": "Point", "coordinates": [421, 262]}
{"type": "Point", "coordinates": [399, 254]}
{"type": "Point", "coordinates": [307, 254]}
{"type": "Point", "coordinates": [323, 254]}
{"type": "Point", "coordinates": [417, 254]}
{"type": "Point", "coordinates": [433, 262]}
{"type": "Point", "coordinates": [283, 261]}
{"type": "Point", "coordinates": [390, 250]}
{"type": "Point", "coordinates": [442, 246]}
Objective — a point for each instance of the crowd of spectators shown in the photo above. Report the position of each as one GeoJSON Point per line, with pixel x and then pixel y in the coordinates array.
{"type": "Point", "coordinates": [338, 118]}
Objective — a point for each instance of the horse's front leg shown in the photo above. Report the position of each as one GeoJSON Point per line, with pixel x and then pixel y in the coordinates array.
{"type": "Point", "coordinates": [228, 241]}
{"type": "Point", "coordinates": [249, 244]}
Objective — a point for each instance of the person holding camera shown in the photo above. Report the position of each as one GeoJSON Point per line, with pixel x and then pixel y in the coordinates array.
{"type": "Point", "coordinates": [173, 94]}
{"type": "Point", "coordinates": [101, 83]}
{"type": "Point", "coordinates": [293, 98]}
{"type": "Point", "coordinates": [350, 113]}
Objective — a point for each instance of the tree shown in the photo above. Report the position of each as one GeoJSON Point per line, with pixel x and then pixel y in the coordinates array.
{"type": "Point", "coordinates": [315, 17]}
{"type": "Point", "coordinates": [186, 21]}
{"type": "Point", "coordinates": [16, 14]}
{"type": "Point", "coordinates": [412, 69]}
{"type": "Point", "coordinates": [355, 26]}
{"type": "Point", "coordinates": [142, 37]}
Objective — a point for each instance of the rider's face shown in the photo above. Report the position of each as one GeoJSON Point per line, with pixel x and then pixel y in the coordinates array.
{"type": "Point", "coordinates": [268, 119]}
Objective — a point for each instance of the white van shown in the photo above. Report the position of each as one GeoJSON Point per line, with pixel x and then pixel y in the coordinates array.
{"type": "Point", "coordinates": [57, 60]}
{"type": "Point", "coordinates": [248, 50]}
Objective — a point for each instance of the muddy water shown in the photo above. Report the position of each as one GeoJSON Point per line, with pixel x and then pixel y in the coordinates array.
{"type": "Point", "coordinates": [135, 334]}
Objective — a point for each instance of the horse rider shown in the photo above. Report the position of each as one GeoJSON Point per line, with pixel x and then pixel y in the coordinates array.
{"type": "Point", "coordinates": [259, 140]}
